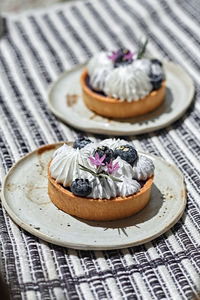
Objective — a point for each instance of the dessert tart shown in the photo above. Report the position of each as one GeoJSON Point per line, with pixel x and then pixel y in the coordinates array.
{"type": "Point", "coordinates": [100, 181]}
{"type": "Point", "coordinates": [123, 84]}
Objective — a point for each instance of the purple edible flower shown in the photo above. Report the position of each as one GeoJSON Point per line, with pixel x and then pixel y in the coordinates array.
{"type": "Point", "coordinates": [112, 168]}
{"type": "Point", "coordinates": [96, 160]}
{"type": "Point", "coordinates": [129, 55]}
{"type": "Point", "coordinates": [114, 56]}
{"type": "Point", "coordinates": [122, 54]}
{"type": "Point", "coordinates": [100, 172]}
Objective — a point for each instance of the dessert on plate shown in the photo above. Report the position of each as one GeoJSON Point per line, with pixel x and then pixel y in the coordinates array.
{"type": "Point", "coordinates": [123, 84]}
{"type": "Point", "coordinates": [108, 180]}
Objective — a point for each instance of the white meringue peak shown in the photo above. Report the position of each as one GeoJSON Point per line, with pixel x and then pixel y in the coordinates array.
{"type": "Point", "coordinates": [143, 168]}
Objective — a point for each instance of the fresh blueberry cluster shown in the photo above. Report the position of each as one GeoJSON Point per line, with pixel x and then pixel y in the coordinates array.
{"type": "Point", "coordinates": [81, 187]}
{"type": "Point", "coordinates": [156, 74]}
{"type": "Point", "coordinates": [127, 153]}
{"type": "Point", "coordinates": [107, 151]}
{"type": "Point", "coordinates": [81, 143]}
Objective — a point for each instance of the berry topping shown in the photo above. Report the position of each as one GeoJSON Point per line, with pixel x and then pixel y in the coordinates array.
{"type": "Point", "coordinates": [81, 143]}
{"type": "Point", "coordinates": [156, 70]}
{"type": "Point", "coordinates": [127, 153]}
{"type": "Point", "coordinates": [156, 81]}
{"type": "Point", "coordinates": [104, 150]}
{"type": "Point", "coordinates": [81, 187]}
{"type": "Point", "coordinates": [156, 74]}
{"type": "Point", "coordinates": [156, 62]}
{"type": "Point", "coordinates": [122, 57]}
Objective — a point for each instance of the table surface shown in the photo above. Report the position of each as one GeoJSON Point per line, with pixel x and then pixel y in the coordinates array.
{"type": "Point", "coordinates": [36, 47]}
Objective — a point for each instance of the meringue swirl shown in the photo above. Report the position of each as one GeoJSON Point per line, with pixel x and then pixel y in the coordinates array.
{"type": "Point", "coordinates": [127, 187]}
{"type": "Point", "coordinates": [98, 79]}
{"type": "Point", "coordinates": [65, 168]}
{"type": "Point", "coordinates": [143, 64]}
{"type": "Point", "coordinates": [127, 83]}
{"type": "Point", "coordinates": [65, 165]}
{"type": "Point", "coordinates": [107, 188]}
{"type": "Point", "coordinates": [143, 168]}
{"type": "Point", "coordinates": [103, 188]}
{"type": "Point", "coordinates": [99, 61]}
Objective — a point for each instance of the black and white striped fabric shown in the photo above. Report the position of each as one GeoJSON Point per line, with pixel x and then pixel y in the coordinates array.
{"type": "Point", "coordinates": [36, 48]}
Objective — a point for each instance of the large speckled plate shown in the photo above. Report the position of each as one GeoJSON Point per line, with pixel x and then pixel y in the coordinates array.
{"type": "Point", "coordinates": [65, 101]}
{"type": "Point", "coordinates": [25, 198]}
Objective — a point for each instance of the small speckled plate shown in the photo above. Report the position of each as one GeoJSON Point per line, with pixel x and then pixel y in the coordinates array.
{"type": "Point", "coordinates": [65, 101]}
{"type": "Point", "coordinates": [25, 198]}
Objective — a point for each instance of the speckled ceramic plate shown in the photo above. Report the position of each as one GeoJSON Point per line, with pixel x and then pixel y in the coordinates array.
{"type": "Point", "coordinates": [25, 197]}
{"type": "Point", "coordinates": [65, 101]}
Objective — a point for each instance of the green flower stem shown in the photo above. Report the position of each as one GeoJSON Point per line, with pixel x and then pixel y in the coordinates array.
{"type": "Point", "coordinates": [87, 170]}
{"type": "Point", "coordinates": [142, 49]}
{"type": "Point", "coordinates": [115, 178]}
{"type": "Point", "coordinates": [110, 176]}
{"type": "Point", "coordinates": [99, 169]}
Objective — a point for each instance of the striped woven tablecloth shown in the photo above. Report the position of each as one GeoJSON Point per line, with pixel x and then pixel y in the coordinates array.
{"type": "Point", "coordinates": [36, 48]}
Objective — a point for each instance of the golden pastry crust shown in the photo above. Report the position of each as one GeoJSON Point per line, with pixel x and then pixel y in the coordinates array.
{"type": "Point", "coordinates": [114, 108]}
{"type": "Point", "coordinates": [98, 209]}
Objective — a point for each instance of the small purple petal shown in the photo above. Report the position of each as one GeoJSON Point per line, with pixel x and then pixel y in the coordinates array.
{"type": "Point", "coordinates": [129, 55]}
{"type": "Point", "coordinates": [114, 56]}
{"type": "Point", "coordinates": [102, 158]}
{"type": "Point", "coordinates": [111, 168]}
{"type": "Point", "coordinates": [97, 161]}
{"type": "Point", "coordinates": [116, 166]}
{"type": "Point", "coordinates": [97, 156]}
{"type": "Point", "coordinates": [91, 159]}
{"type": "Point", "coordinates": [109, 165]}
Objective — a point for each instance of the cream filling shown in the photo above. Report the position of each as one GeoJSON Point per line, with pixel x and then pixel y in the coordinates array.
{"type": "Point", "coordinates": [103, 188]}
{"type": "Point", "coordinates": [65, 168]}
{"type": "Point", "coordinates": [127, 84]}
{"type": "Point", "coordinates": [107, 188]}
{"type": "Point", "coordinates": [98, 79]}
{"type": "Point", "coordinates": [143, 168]}
{"type": "Point", "coordinates": [143, 64]}
{"type": "Point", "coordinates": [88, 150]}
{"type": "Point", "coordinates": [98, 62]}
{"type": "Point", "coordinates": [65, 165]}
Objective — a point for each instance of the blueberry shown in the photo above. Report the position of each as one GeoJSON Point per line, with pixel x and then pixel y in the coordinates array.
{"type": "Point", "coordinates": [156, 75]}
{"type": "Point", "coordinates": [81, 187]}
{"type": "Point", "coordinates": [127, 153]}
{"type": "Point", "coordinates": [81, 142]}
{"type": "Point", "coordinates": [156, 70]}
{"type": "Point", "coordinates": [105, 150]}
{"type": "Point", "coordinates": [121, 59]}
{"type": "Point", "coordinates": [156, 81]}
{"type": "Point", "coordinates": [156, 62]}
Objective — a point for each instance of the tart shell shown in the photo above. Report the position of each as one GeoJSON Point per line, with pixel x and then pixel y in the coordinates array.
{"type": "Point", "coordinates": [114, 108]}
{"type": "Point", "coordinates": [98, 209]}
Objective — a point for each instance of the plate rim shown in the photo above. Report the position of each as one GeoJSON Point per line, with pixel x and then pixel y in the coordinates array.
{"type": "Point", "coordinates": [49, 239]}
{"type": "Point", "coordinates": [98, 130]}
